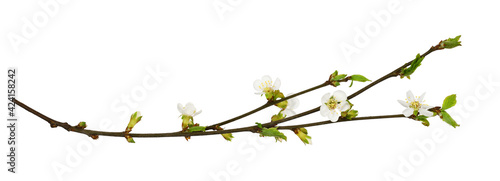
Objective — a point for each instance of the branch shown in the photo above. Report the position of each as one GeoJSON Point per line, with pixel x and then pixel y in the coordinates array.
{"type": "Point", "coordinates": [394, 73]}
{"type": "Point", "coordinates": [269, 103]}
{"type": "Point", "coordinates": [95, 134]}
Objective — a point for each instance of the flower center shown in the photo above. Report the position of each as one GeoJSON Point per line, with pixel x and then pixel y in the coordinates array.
{"type": "Point", "coordinates": [331, 103]}
{"type": "Point", "coordinates": [266, 86]}
{"type": "Point", "coordinates": [268, 89]}
{"type": "Point", "coordinates": [415, 105]}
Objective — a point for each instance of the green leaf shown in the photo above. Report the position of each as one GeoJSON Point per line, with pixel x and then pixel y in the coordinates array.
{"type": "Point", "coordinates": [335, 73]}
{"type": "Point", "coordinates": [359, 78]}
{"type": "Point", "coordinates": [259, 125]}
{"type": "Point", "coordinates": [228, 136]}
{"type": "Point", "coordinates": [273, 132]}
{"type": "Point", "coordinates": [451, 42]}
{"type": "Point", "coordinates": [449, 102]}
{"type": "Point", "coordinates": [197, 129]}
{"type": "Point", "coordinates": [352, 81]}
{"type": "Point", "coordinates": [447, 118]}
{"type": "Point", "coordinates": [339, 77]}
{"type": "Point", "coordinates": [406, 72]}
{"type": "Point", "coordinates": [423, 119]}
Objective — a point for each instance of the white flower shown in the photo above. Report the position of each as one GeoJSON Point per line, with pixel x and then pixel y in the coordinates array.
{"type": "Point", "coordinates": [188, 110]}
{"type": "Point", "coordinates": [266, 85]}
{"type": "Point", "coordinates": [292, 104]}
{"type": "Point", "coordinates": [332, 106]}
{"type": "Point", "coordinates": [413, 104]}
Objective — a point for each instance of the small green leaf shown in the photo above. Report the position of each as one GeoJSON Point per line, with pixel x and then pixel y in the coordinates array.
{"type": "Point", "coordinates": [339, 77]}
{"type": "Point", "coordinates": [359, 78]}
{"type": "Point", "coordinates": [447, 118]}
{"type": "Point", "coordinates": [335, 73]}
{"type": "Point", "coordinates": [273, 132]}
{"type": "Point", "coordinates": [228, 136]}
{"type": "Point", "coordinates": [352, 81]}
{"type": "Point", "coordinates": [449, 102]}
{"type": "Point", "coordinates": [423, 119]}
{"type": "Point", "coordinates": [406, 72]}
{"type": "Point", "coordinates": [451, 42]}
{"type": "Point", "coordinates": [197, 129]}
{"type": "Point", "coordinates": [259, 125]}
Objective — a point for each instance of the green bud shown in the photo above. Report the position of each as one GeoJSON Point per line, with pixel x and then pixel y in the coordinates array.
{"type": "Point", "coordinates": [134, 119]}
{"type": "Point", "coordinates": [302, 134]}
{"type": "Point", "coordinates": [450, 42]}
{"type": "Point", "coordinates": [228, 136]}
{"type": "Point", "coordinates": [81, 125]}
{"type": "Point", "coordinates": [186, 121]}
{"type": "Point", "coordinates": [129, 139]}
{"type": "Point", "coordinates": [351, 114]}
{"type": "Point", "coordinates": [277, 117]}
{"type": "Point", "coordinates": [282, 105]}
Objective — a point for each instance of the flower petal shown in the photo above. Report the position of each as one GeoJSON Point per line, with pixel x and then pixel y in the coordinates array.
{"type": "Point", "coordinates": [277, 84]}
{"type": "Point", "coordinates": [180, 108]}
{"type": "Point", "coordinates": [425, 112]}
{"type": "Point", "coordinates": [408, 112]}
{"type": "Point", "coordinates": [344, 106]}
{"type": "Point", "coordinates": [339, 95]}
{"type": "Point", "coordinates": [288, 112]}
{"type": "Point", "coordinates": [267, 78]}
{"type": "Point", "coordinates": [257, 85]}
{"type": "Point", "coordinates": [325, 98]}
{"type": "Point", "coordinates": [403, 103]}
{"type": "Point", "coordinates": [425, 106]}
{"type": "Point", "coordinates": [189, 109]}
{"type": "Point", "coordinates": [333, 116]}
{"type": "Point", "coordinates": [196, 113]}
{"type": "Point", "coordinates": [410, 96]}
{"type": "Point", "coordinates": [293, 103]}
{"type": "Point", "coordinates": [421, 98]}
{"type": "Point", "coordinates": [323, 110]}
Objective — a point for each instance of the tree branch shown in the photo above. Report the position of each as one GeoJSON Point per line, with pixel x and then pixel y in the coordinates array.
{"type": "Point", "coordinates": [94, 134]}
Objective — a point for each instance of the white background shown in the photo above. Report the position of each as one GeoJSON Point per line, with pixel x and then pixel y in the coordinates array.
{"type": "Point", "coordinates": [79, 64]}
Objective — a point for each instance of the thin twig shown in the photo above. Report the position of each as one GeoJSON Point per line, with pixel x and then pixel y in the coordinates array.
{"type": "Point", "coordinates": [269, 103]}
